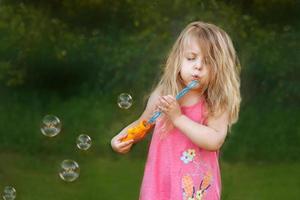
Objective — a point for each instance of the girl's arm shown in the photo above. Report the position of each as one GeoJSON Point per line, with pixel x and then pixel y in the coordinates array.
{"type": "Point", "coordinates": [210, 137]}
{"type": "Point", "coordinates": [124, 147]}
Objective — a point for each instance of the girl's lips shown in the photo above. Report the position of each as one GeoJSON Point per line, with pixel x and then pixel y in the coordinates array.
{"type": "Point", "coordinates": [195, 77]}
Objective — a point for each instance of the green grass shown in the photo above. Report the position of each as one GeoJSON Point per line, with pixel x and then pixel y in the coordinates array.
{"type": "Point", "coordinates": [119, 177]}
{"type": "Point", "coordinates": [37, 178]}
{"type": "Point", "coordinates": [248, 181]}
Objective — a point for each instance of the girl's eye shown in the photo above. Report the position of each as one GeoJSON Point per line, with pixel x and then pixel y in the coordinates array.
{"type": "Point", "coordinates": [190, 58]}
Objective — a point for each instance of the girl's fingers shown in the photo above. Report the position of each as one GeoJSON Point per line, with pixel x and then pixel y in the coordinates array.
{"type": "Point", "coordinates": [162, 108]}
{"type": "Point", "coordinates": [164, 102]}
{"type": "Point", "coordinates": [173, 101]}
{"type": "Point", "coordinates": [126, 143]}
{"type": "Point", "coordinates": [125, 149]}
{"type": "Point", "coordinates": [157, 106]}
{"type": "Point", "coordinates": [170, 99]}
{"type": "Point", "coordinates": [121, 137]}
{"type": "Point", "coordinates": [124, 135]}
{"type": "Point", "coordinates": [166, 99]}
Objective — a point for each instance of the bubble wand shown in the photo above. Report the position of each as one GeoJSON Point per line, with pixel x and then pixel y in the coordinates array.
{"type": "Point", "coordinates": [140, 130]}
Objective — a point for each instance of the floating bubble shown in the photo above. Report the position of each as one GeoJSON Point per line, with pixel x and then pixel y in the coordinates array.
{"type": "Point", "coordinates": [69, 170]}
{"type": "Point", "coordinates": [84, 142]}
{"type": "Point", "coordinates": [50, 126]}
{"type": "Point", "coordinates": [124, 101]}
{"type": "Point", "coordinates": [9, 193]}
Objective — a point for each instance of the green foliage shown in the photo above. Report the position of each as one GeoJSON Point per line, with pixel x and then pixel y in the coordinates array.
{"type": "Point", "coordinates": [72, 58]}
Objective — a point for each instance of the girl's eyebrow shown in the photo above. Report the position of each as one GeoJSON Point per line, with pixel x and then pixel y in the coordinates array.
{"type": "Point", "coordinates": [192, 52]}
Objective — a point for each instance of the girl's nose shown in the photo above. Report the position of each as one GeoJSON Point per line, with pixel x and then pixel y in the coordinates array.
{"type": "Point", "coordinates": [198, 65]}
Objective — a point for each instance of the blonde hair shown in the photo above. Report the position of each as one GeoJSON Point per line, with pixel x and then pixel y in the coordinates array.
{"type": "Point", "coordinates": [223, 90]}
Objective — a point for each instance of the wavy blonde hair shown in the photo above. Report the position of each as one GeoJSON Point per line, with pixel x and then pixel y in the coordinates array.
{"type": "Point", "coordinates": [223, 90]}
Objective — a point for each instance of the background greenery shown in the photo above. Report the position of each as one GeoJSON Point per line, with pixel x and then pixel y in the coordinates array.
{"type": "Point", "coordinates": [73, 58]}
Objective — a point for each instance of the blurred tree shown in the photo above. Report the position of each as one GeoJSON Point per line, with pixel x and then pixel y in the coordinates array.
{"type": "Point", "coordinates": [62, 45]}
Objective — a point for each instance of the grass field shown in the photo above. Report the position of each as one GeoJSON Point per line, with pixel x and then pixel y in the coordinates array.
{"type": "Point", "coordinates": [36, 177]}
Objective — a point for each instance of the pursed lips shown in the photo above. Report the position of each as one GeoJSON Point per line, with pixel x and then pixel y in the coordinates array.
{"type": "Point", "coordinates": [195, 77]}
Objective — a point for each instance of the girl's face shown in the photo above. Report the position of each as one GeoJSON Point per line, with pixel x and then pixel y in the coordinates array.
{"type": "Point", "coordinates": [193, 66]}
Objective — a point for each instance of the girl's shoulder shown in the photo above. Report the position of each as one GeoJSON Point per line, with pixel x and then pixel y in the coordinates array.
{"type": "Point", "coordinates": [151, 103]}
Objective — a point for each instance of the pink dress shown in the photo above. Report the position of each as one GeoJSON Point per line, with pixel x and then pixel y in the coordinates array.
{"type": "Point", "coordinates": [177, 169]}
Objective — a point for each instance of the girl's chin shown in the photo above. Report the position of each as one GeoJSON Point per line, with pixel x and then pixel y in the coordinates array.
{"type": "Point", "coordinates": [197, 89]}
{"type": "Point", "coordinates": [200, 87]}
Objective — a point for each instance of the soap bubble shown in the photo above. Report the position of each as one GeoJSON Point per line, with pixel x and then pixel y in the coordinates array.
{"type": "Point", "coordinates": [9, 193]}
{"type": "Point", "coordinates": [84, 142]}
{"type": "Point", "coordinates": [50, 126]}
{"type": "Point", "coordinates": [124, 101]}
{"type": "Point", "coordinates": [69, 170]}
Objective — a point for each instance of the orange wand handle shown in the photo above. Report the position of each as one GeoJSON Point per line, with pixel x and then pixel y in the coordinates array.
{"type": "Point", "coordinates": [138, 132]}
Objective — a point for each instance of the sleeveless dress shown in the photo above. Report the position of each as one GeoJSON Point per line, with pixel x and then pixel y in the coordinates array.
{"type": "Point", "coordinates": [177, 169]}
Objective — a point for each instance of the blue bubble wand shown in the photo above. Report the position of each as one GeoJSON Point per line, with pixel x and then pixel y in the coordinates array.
{"type": "Point", "coordinates": [139, 131]}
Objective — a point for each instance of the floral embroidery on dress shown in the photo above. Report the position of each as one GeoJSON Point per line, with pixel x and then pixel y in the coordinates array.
{"type": "Point", "coordinates": [188, 156]}
{"type": "Point", "coordinates": [191, 191]}
{"type": "Point", "coordinates": [191, 152]}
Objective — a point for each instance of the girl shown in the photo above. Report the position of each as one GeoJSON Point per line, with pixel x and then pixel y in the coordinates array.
{"type": "Point", "coordinates": [183, 155]}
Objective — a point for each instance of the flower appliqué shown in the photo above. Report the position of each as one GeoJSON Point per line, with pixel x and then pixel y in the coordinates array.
{"type": "Point", "coordinates": [188, 156]}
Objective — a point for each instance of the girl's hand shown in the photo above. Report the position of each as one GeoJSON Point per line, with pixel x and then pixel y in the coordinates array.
{"type": "Point", "coordinates": [119, 146]}
{"type": "Point", "coordinates": [169, 105]}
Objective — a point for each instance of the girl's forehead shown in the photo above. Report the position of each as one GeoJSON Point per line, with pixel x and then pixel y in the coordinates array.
{"type": "Point", "coordinates": [191, 45]}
